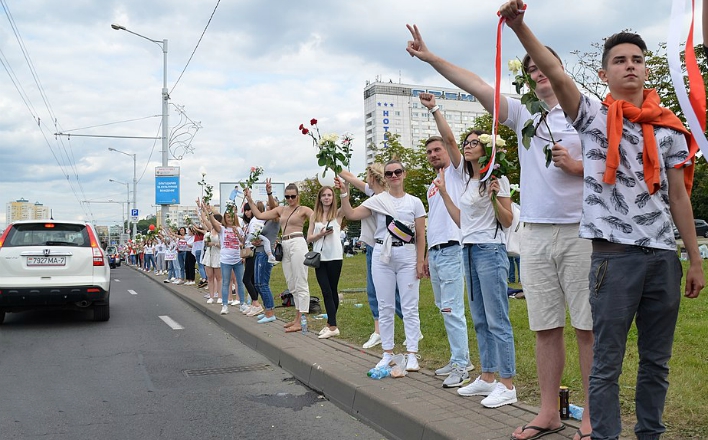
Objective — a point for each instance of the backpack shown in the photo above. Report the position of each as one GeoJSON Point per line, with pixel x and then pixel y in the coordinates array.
{"type": "Point", "coordinates": [287, 298]}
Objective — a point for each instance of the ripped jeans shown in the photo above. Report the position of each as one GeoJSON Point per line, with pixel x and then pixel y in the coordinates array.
{"type": "Point", "coordinates": [449, 291]}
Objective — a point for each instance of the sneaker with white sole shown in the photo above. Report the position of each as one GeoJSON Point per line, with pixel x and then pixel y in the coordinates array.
{"type": "Point", "coordinates": [447, 369]}
{"type": "Point", "coordinates": [328, 333]}
{"type": "Point", "coordinates": [478, 388]}
{"type": "Point", "coordinates": [500, 396]}
{"type": "Point", "coordinates": [255, 311]}
{"type": "Point", "coordinates": [405, 341]}
{"type": "Point", "coordinates": [243, 307]}
{"type": "Point", "coordinates": [248, 309]}
{"type": "Point", "coordinates": [385, 360]}
{"type": "Point", "coordinates": [218, 301]}
{"type": "Point", "coordinates": [412, 362]}
{"type": "Point", "coordinates": [235, 302]}
{"type": "Point", "coordinates": [457, 377]}
{"type": "Point", "coordinates": [210, 301]}
{"type": "Point", "coordinates": [224, 310]}
{"type": "Point", "coordinates": [374, 340]}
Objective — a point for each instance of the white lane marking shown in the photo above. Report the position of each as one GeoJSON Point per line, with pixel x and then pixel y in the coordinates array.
{"type": "Point", "coordinates": [116, 280]}
{"type": "Point", "coordinates": [132, 292]}
{"type": "Point", "coordinates": [172, 323]}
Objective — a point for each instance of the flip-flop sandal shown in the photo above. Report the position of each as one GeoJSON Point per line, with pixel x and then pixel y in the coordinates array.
{"type": "Point", "coordinates": [541, 431]}
{"type": "Point", "coordinates": [581, 436]}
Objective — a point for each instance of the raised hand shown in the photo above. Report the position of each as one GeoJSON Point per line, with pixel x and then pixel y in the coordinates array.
{"type": "Point", "coordinates": [416, 47]}
{"type": "Point", "coordinates": [247, 193]}
{"type": "Point", "coordinates": [493, 188]}
{"type": "Point", "coordinates": [269, 187]}
{"type": "Point", "coordinates": [427, 99]}
{"type": "Point", "coordinates": [439, 181]}
{"type": "Point", "coordinates": [513, 12]}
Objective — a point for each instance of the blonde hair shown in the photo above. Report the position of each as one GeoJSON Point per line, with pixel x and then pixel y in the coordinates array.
{"type": "Point", "coordinates": [376, 171]}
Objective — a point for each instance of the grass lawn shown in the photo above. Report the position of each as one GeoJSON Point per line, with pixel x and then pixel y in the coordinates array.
{"type": "Point", "coordinates": [685, 415]}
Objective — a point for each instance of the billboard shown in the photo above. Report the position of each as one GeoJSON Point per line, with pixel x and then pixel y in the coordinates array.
{"type": "Point", "coordinates": [167, 185]}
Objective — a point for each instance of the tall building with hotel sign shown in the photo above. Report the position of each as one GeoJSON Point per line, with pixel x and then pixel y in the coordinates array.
{"type": "Point", "coordinates": [396, 108]}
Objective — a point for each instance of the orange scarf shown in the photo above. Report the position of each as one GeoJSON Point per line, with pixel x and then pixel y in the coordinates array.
{"type": "Point", "coordinates": [649, 115]}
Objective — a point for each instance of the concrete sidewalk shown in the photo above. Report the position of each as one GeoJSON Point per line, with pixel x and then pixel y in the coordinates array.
{"type": "Point", "coordinates": [414, 407]}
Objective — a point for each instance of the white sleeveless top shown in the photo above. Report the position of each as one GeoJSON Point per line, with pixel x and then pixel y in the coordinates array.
{"type": "Point", "coordinates": [329, 246]}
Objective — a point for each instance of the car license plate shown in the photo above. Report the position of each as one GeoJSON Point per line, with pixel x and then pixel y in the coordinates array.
{"type": "Point", "coordinates": [46, 261]}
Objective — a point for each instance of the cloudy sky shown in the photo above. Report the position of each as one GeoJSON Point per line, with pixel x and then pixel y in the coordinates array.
{"type": "Point", "coordinates": [262, 68]}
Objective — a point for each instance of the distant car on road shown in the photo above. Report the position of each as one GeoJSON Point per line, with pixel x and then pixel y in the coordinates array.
{"type": "Point", "coordinates": [48, 264]}
{"type": "Point", "coordinates": [701, 229]}
{"type": "Point", "coordinates": [114, 258]}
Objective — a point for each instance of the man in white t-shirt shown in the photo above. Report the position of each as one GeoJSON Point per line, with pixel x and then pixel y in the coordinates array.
{"type": "Point", "coordinates": [443, 262]}
{"type": "Point", "coordinates": [555, 262]}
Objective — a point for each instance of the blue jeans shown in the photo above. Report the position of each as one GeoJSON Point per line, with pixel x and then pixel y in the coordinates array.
{"type": "Point", "coordinates": [200, 266]}
{"type": "Point", "coordinates": [645, 285]}
{"type": "Point", "coordinates": [514, 266]}
{"type": "Point", "coordinates": [149, 261]}
{"type": "Point", "coordinates": [226, 270]}
{"type": "Point", "coordinates": [171, 272]}
{"type": "Point", "coordinates": [371, 290]}
{"type": "Point", "coordinates": [182, 258]}
{"type": "Point", "coordinates": [487, 269]}
{"type": "Point", "coordinates": [262, 279]}
{"type": "Point", "coordinates": [449, 292]}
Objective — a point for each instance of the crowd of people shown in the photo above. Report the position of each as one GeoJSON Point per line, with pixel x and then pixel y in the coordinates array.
{"type": "Point", "coordinates": [593, 242]}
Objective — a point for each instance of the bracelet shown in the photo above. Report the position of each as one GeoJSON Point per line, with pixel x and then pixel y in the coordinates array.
{"type": "Point", "coordinates": [270, 193]}
{"type": "Point", "coordinates": [343, 195]}
{"type": "Point", "coordinates": [434, 109]}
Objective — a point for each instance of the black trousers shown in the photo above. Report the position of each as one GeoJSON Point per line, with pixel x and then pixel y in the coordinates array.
{"type": "Point", "coordinates": [190, 262]}
{"type": "Point", "coordinates": [249, 273]}
{"type": "Point", "coordinates": [328, 278]}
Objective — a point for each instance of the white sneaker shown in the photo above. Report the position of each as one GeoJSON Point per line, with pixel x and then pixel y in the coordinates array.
{"type": "Point", "coordinates": [248, 309]}
{"type": "Point", "coordinates": [374, 340]}
{"type": "Point", "coordinates": [218, 301]}
{"type": "Point", "coordinates": [412, 362]}
{"type": "Point", "coordinates": [447, 369]}
{"type": "Point", "coordinates": [272, 260]}
{"type": "Point", "coordinates": [235, 302]}
{"type": "Point", "coordinates": [210, 301]}
{"type": "Point", "coordinates": [385, 360]}
{"type": "Point", "coordinates": [500, 396]}
{"type": "Point", "coordinates": [254, 311]}
{"type": "Point", "coordinates": [224, 310]}
{"type": "Point", "coordinates": [478, 388]}
{"type": "Point", "coordinates": [458, 377]}
{"type": "Point", "coordinates": [243, 307]}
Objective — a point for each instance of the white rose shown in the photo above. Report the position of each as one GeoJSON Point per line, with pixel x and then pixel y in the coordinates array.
{"type": "Point", "coordinates": [515, 66]}
{"type": "Point", "coordinates": [500, 142]}
{"type": "Point", "coordinates": [485, 138]}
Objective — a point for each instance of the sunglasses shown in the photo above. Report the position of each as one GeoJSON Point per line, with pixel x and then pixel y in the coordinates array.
{"type": "Point", "coordinates": [397, 172]}
{"type": "Point", "coordinates": [473, 143]}
{"type": "Point", "coordinates": [290, 197]}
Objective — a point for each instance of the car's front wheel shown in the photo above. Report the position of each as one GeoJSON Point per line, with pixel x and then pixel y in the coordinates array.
{"type": "Point", "coordinates": [102, 313]}
{"type": "Point", "coordinates": [705, 234]}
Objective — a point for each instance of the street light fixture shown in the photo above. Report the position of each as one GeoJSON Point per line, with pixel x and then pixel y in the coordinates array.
{"type": "Point", "coordinates": [165, 101]}
{"type": "Point", "coordinates": [127, 200]}
{"type": "Point", "coordinates": [135, 184]}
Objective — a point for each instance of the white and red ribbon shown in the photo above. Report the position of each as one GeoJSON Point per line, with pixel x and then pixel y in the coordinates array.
{"type": "Point", "coordinates": [489, 167]}
{"type": "Point", "coordinates": [692, 102]}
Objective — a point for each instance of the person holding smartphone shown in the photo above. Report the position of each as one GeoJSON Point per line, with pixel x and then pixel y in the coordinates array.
{"type": "Point", "coordinates": [326, 221]}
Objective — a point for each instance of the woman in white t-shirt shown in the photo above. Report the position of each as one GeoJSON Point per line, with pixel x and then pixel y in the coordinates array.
{"type": "Point", "coordinates": [323, 233]}
{"type": "Point", "coordinates": [395, 261]}
{"type": "Point", "coordinates": [486, 270]}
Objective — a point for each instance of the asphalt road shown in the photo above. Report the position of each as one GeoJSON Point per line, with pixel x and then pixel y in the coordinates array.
{"type": "Point", "coordinates": [63, 376]}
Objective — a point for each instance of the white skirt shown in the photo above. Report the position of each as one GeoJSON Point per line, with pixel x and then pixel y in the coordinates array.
{"type": "Point", "coordinates": [211, 256]}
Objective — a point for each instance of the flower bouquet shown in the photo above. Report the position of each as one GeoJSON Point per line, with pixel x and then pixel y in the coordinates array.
{"type": "Point", "coordinates": [331, 155]}
{"type": "Point", "coordinates": [502, 165]}
{"type": "Point", "coordinates": [535, 106]}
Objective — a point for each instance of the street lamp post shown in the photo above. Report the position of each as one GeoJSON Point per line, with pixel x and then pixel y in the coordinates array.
{"type": "Point", "coordinates": [135, 184]}
{"type": "Point", "coordinates": [127, 202]}
{"type": "Point", "coordinates": [165, 101]}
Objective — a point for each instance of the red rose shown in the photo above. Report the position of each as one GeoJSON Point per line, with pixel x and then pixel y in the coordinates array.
{"type": "Point", "coordinates": [301, 127]}
{"type": "Point", "coordinates": [313, 121]}
{"type": "Point", "coordinates": [305, 131]}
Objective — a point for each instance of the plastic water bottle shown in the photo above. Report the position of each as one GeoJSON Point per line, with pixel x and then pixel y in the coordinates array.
{"type": "Point", "coordinates": [379, 372]}
{"type": "Point", "coordinates": [575, 411]}
{"type": "Point", "coordinates": [303, 323]}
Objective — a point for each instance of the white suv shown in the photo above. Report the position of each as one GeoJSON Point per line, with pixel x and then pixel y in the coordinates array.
{"type": "Point", "coordinates": [53, 264]}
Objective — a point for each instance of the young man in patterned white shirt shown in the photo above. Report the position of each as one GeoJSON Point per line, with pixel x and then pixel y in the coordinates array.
{"type": "Point", "coordinates": [637, 168]}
